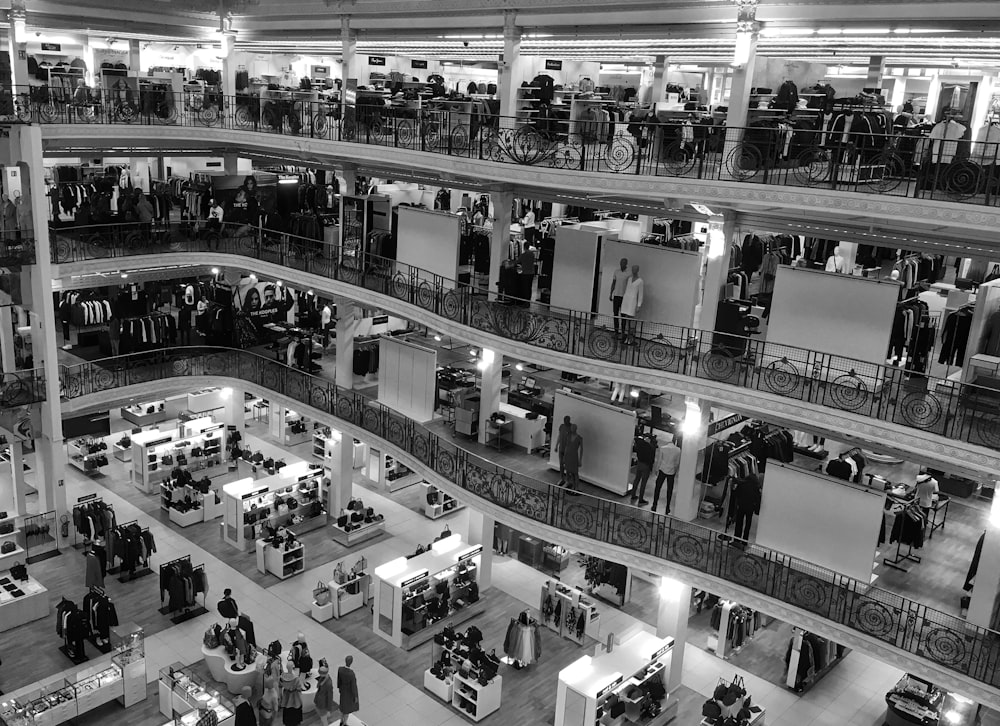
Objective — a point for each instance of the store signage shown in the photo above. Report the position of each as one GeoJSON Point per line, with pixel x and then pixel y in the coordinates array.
{"type": "Point", "coordinates": [553, 65]}
{"type": "Point", "coordinates": [376, 60]}
{"type": "Point", "coordinates": [380, 320]}
{"type": "Point", "coordinates": [320, 71]}
{"type": "Point", "coordinates": [415, 579]}
{"type": "Point", "coordinates": [260, 492]}
{"type": "Point", "coordinates": [164, 440]}
{"type": "Point", "coordinates": [724, 423]}
{"type": "Point", "coordinates": [610, 687]}
{"type": "Point", "coordinates": [54, 47]}
{"type": "Point", "coordinates": [86, 498]}
{"type": "Point", "coordinates": [471, 553]}
{"type": "Point", "coordinates": [415, 63]}
{"type": "Point", "coordinates": [662, 651]}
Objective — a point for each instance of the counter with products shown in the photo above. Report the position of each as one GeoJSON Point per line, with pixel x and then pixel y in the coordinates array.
{"type": "Point", "coordinates": [280, 556]}
{"type": "Point", "coordinates": [183, 692]}
{"type": "Point", "coordinates": [356, 523]}
{"type": "Point", "coordinates": [413, 593]}
{"type": "Point", "coordinates": [914, 701]}
{"type": "Point", "coordinates": [21, 601]}
{"type": "Point", "coordinates": [88, 455]}
{"type": "Point", "coordinates": [195, 447]}
{"type": "Point", "coordinates": [149, 413]}
{"type": "Point", "coordinates": [293, 498]}
{"type": "Point", "coordinates": [628, 682]}
{"type": "Point", "coordinates": [207, 399]}
{"type": "Point", "coordinates": [438, 503]}
{"type": "Point", "coordinates": [529, 427]}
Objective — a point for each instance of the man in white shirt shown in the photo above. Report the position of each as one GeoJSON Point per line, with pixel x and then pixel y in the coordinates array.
{"type": "Point", "coordinates": [528, 225]}
{"type": "Point", "coordinates": [668, 460]}
{"type": "Point", "coordinates": [631, 302]}
{"type": "Point", "coordinates": [619, 281]}
{"type": "Point", "coordinates": [927, 491]}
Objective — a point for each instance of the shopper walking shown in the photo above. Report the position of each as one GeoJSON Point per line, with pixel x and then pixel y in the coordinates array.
{"type": "Point", "coordinates": [324, 696]}
{"type": "Point", "coordinates": [526, 275]}
{"type": "Point", "coordinates": [347, 684]}
{"type": "Point", "coordinates": [746, 502]}
{"type": "Point", "coordinates": [573, 459]}
{"type": "Point", "coordinates": [619, 282]}
{"type": "Point", "coordinates": [631, 302]}
{"type": "Point", "coordinates": [668, 460]}
{"type": "Point", "coordinates": [561, 439]}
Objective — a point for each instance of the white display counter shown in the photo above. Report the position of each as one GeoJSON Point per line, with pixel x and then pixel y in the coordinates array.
{"type": "Point", "coordinates": [406, 591]}
{"type": "Point", "coordinates": [21, 601]}
{"type": "Point", "coordinates": [594, 688]}
{"type": "Point", "coordinates": [529, 433]}
{"type": "Point", "coordinates": [149, 413]}
{"type": "Point", "coordinates": [150, 447]}
{"type": "Point", "coordinates": [278, 561]}
{"type": "Point", "coordinates": [207, 399]}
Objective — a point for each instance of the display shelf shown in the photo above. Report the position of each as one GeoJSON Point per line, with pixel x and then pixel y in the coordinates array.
{"type": "Point", "coordinates": [251, 504]}
{"type": "Point", "coordinates": [387, 472]}
{"type": "Point", "coordinates": [350, 595]}
{"type": "Point", "coordinates": [195, 446]}
{"type": "Point", "coordinates": [122, 453]}
{"type": "Point", "coordinates": [85, 456]}
{"type": "Point", "coordinates": [186, 519]}
{"type": "Point", "coordinates": [278, 561]}
{"type": "Point", "coordinates": [296, 430]}
{"type": "Point", "coordinates": [145, 414]}
{"type": "Point", "coordinates": [407, 601]}
{"type": "Point", "coordinates": [9, 558]}
{"type": "Point", "coordinates": [21, 601]}
{"type": "Point", "coordinates": [483, 700]}
{"type": "Point", "coordinates": [572, 603]}
{"type": "Point", "coordinates": [625, 684]}
{"type": "Point", "coordinates": [462, 668]}
{"type": "Point", "coordinates": [207, 399]}
{"type": "Point", "coordinates": [358, 532]}
{"type": "Point", "coordinates": [182, 691]}
{"type": "Point", "coordinates": [437, 503]}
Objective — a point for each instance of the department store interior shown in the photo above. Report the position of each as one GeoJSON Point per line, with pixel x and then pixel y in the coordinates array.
{"type": "Point", "coordinates": [233, 243]}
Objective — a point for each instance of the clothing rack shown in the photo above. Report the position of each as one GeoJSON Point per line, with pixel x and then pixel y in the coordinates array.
{"type": "Point", "coordinates": [734, 625]}
{"type": "Point", "coordinates": [71, 625]}
{"type": "Point", "coordinates": [186, 607]}
{"type": "Point", "coordinates": [101, 615]}
{"type": "Point", "coordinates": [83, 516]}
{"type": "Point", "coordinates": [914, 512]}
{"type": "Point", "coordinates": [808, 658]}
{"type": "Point", "coordinates": [114, 569]}
{"type": "Point", "coordinates": [522, 643]}
{"type": "Point", "coordinates": [134, 572]}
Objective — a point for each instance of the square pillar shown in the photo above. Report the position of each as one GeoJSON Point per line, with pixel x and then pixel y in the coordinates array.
{"type": "Point", "coordinates": [481, 533]}
{"type": "Point", "coordinates": [721, 234]}
{"type": "Point", "coordinates": [687, 490]}
{"type": "Point", "coordinates": [348, 44]}
{"type": "Point", "coordinates": [500, 236]}
{"type": "Point", "coordinates": [340, 469]}
{"type": "Point", "coordinates": [235, 414]}
{"type": "Point", "coordinates": [987, 586]}
{"type": "Point", "coordinates": [672, 620]}
{"type": "Point", "coordinates": [347, 324]}
{"type": "Point", "coordinates": [18, 48]}
{"type": "Point", "coordinates": [490, 367]}
{"type": "Point", "coordinates": [510, 68]}
{"type": "Point", "coordinates": [739, 100]}
{"type": "Point", "coordinates": [276, 422]}
{"type": "Point", "coordinates": [660, 66]}
{"type": "Point", "coordinates": [876, 71]}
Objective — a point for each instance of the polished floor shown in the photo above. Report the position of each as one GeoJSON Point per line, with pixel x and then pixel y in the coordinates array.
{"type": "Point", "coordinates": [389, 678]}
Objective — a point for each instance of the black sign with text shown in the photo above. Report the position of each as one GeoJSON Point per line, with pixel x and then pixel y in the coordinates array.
{"type": "Point", "coordinates": [86, 498]}
{"type": "Point", "coordinates": [553, 65]}
{"type": "Point", "coordinates": [54, 47]}
{"type": "Point", "coordinates": [418, 63]}
{"type": "Point", "coordinates": [376, 60]}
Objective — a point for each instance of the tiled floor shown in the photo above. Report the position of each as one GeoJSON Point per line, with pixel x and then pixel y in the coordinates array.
{"type": "Point", "coordinates": [853, 694]}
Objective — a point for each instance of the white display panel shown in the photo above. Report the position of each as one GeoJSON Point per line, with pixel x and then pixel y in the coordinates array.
{"type": "Point", "coordinates": [608, 433]}
{"type": "Point", "coordinates": [670, 280]}
{"type": "Point", "coordinates": [820, 519]}
{"type": "Point", "coordinates": [429, 240]}
{"type": "Point", "coordinates": [574, 267]}
{"type": "Point", "coordinates": [406, 378]}
{"type": "Point", "coordinates": [842, 315]}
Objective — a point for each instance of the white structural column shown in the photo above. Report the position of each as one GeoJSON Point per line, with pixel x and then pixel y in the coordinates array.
{"type": "Point", "coordinates": [481, 533]}
{"type": "Point", "coordinates": [348, 44]}
{"type": "Point", "coordinates": [12, 496]}
{"type": "Point", "coordinates": [739, 95]}
{"type": "Point", "coordinates": [660, 67]}
{"type": "Point", "coordinates": [876, 71]}
{"type": "Point", "coordinates": [982, 609]}
{"type": "Point", "coordinates": [235, 411]}
{"type": "Point", "coordinates": [276, 422]}
{"type": "Point", "coordinates": [510, 67]}
{"type": "Point", "coordinates": [687, 490]}
{"type": "Point", "coordinates": [721, 234]}
{"type": "Point", "coordinates": [26, 147]}
{"type": "Point", "coordinates": [133, 56]}
{"type": "Point", "coordinates": [228, 62]}
{"type": "Point", "coordinates": [672, 621]}
{"type": "Point", "coordinates": [490, 367]}
{"type": "Point", "coordinates": [348, 315]}
{"type": "Point", "coordinates": [342, 482]}
{"type": "Point", "coordinates": [17, 45]}
{"type": "Point", "coordinates": [500, 236]}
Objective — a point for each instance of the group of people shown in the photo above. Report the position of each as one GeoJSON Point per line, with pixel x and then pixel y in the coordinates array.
{"type": "Point", "coordinates": [663, 458]}
{"type": "Point", "coordinates": [626, 299]}
{"type": "Point", "coordinates": [282, 684]}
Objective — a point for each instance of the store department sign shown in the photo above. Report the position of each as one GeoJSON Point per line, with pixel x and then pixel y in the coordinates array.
{"type": "Point", "coordinates": [53, 47]}
{"type": "Point", "coordinates": [415, 63]}
{"type": "Point", "coordinates": [553, 65]}
{"type": "Point", "coordinates": [376, 60]}
{"type": "Point", "coordinates": [724, 423]}
{"type": "Point", "coordinates": [471, 553]}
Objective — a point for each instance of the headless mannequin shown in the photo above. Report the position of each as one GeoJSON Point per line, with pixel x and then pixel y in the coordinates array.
{"type": "Point", "coordinates": [836, 263]}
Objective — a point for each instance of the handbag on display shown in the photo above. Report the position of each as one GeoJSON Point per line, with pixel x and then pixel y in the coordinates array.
{"type": "Point", "coordinates": [6, 527]}
{"type": "Point", "coordinates": [19, 572]}
{"type": "Point", "coordinates": [338, 574]}
{"type": "Point", "coordinates": [321, 593]}
{"type": "Point", "coordinates": [7, 547]}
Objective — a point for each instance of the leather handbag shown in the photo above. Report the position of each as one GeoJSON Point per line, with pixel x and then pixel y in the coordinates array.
{"type": "Point", "coordinates": [321, 593]}
{"type": "Point", "coordinates": [7, 547]}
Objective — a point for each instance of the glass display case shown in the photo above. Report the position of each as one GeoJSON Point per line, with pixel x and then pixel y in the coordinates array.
{"type": "Point", "coordinates": [182, 692]}
{"type": "Point", "coordinates": [13, 713]}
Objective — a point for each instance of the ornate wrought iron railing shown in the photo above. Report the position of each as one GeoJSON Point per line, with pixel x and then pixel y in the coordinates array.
{"type": "Point", "coordinates": [896, 621]}
{"type": "Point", "coordinates": [961, 412]}
{"type": "Point", "coordinates": [893, 162]}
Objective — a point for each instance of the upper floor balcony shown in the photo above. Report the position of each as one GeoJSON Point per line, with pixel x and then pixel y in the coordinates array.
{"type": "Point", "coordinates": [919, 415]}
{"type": "Point", "coordinates": [883, 175]}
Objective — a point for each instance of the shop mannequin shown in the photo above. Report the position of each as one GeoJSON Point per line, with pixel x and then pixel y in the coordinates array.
{"type": "Point", "coordinates": [573, 457]}
{"type": "Point", "coordinates": [836, 263]}
{"type": "Point", "coordinates": [347, 685]}
{"type": "Point", "coordinates": [526, 274]}
{"type": "Point", "coordinates": [619, 391]}
{"type": "Point", "coordinates": [291, 697]}
{"type": "Point", "coordinates": [324, 702]}
{"type": "Point", "coordinates": [619, 281]}
{"type": "Point", "coordinates": [631, 303]}
{"type": "Point", "coordinates": [244, 710]}
{"type": "Point", "coordinates": [927, 492]}
{"type": "Point", "coordinates": [299, 655]}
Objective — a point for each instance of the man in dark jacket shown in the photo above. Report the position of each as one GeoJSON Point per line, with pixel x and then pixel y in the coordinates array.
{"type": "Point", "coordinates": [746, 503]}
{"type": "Point", "coordinates": [227, 605]}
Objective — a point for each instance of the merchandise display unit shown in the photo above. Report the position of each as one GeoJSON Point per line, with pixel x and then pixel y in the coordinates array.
{"type": "Point", "coordinates": [122, 449]}
{"type": "Point", "coordinates": [182, 691]}
{"type": "Point", "coordinates": [21, 601]}
{"type": "Point", "coordinates": [296, 429]}
{"type": "Point", "coordinates": [86, 454]}
{"type": "Point", "coordinates": [326, 445]}
{"type": "Point", "coordinates": [253, 502]}
{"type": "Point", "coordinates": [562, 608]}
{"type": "Point", "coordinates": [407, 601]}
{"type": "Point", "coordinates": [356, 524]}
{"type": "Point", "coordinates": [462, 675]}
{"type": "Point", "coordinates": [149, 413]}
{"type": "Point", "coordinates": [15, 555]}
{"type": "Point", "coordinates": [438, 503]}
{"type": "Point", "coordinates": [349, 590]}
{"type": "Point", "coordinates": [529, 428]}
{"type": "Point", "coordinates": [209, 507]}
{"type": "Point", "coordinates": [916, 701]}
{"type": "Point", "coordinates": [206, 399]}
{"type": "Point", "coordinates": [620, 686]}
{"type": "Point", "coordinates": [387, 471]}
{"type": "Point", "coordinates": [196, 446]}
{"type": "Point", "coordinates": [279, 561]}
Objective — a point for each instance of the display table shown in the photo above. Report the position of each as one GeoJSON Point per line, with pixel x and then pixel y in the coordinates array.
{"type": "Point", "coordinates": [122, 453]}
{"type": "Point", "coordinates": [349, 595]}
{"type": "Point", "coordinates": [145, 414]}
{"type": "Point", "coordinates": [321, 613]}
{"type": "Point", "coordinates": [529, 433]}
{"type": "Point", "coordinates": [186, 519]}
{"type": "Point", "coordinates": [10, 558]}
{"type": "Point", "coordinates": [359, 532]}
{"type": "Point", "coordinates": [437, 503]}
{"type": "Point", "coordinates": [236, 681]}
{"type": "Point", "coordinates": [216, 660]}
{"type": "Point", "coordinates": [207, 399]}
{"type": "Point", "coordinates": [182, 692]}
{"type": "Point", "coordinates": [278, 561]}
{"type": "Point", "coordinates": [588, 684]}
{"type": "Point", "coordinates": [21, 602]}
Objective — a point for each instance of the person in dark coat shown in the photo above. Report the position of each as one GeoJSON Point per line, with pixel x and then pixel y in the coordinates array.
{"type": "Point", "coordinates": [245, 715]}
{"type": "Point", "coordinates": [347, 684]}
{"type": "Point", "coordinates": [746, 502]}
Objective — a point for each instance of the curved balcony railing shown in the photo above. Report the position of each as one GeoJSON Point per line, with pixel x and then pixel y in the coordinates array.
{"type": "Point", "coordinates": [892, 619]}
{"type": "Point", "coordinates": [894, 163]}
{"type": "Point", "coordinates": [960, 412]}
